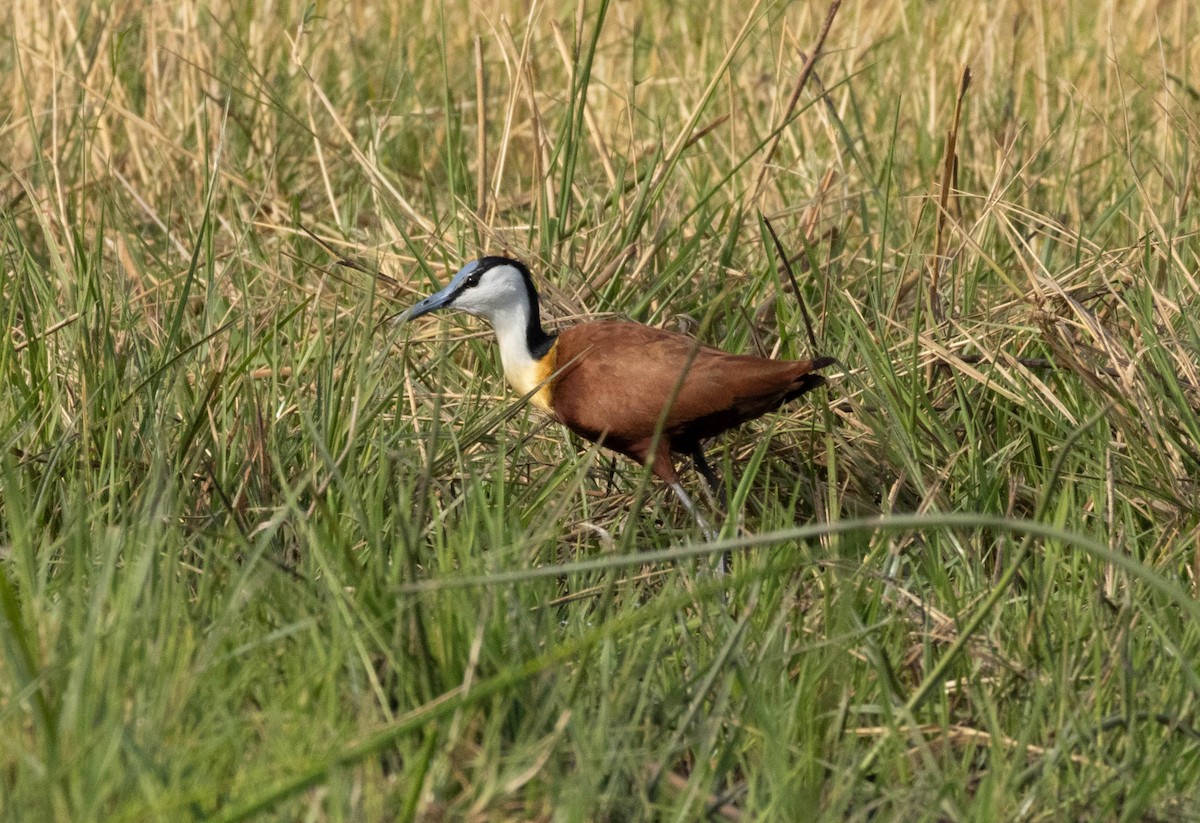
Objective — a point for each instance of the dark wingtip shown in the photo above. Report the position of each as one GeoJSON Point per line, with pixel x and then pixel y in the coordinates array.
{"type": "Point", "coordinates": [810, 379]}
{"type": "Point", "coordinates": [804, 385]}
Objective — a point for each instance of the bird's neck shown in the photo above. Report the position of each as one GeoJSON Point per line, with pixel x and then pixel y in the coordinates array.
{"type": "Point", "coordinates": [526, 351]}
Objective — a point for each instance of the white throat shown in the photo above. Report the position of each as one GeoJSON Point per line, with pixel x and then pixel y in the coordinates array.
{"type": "Point", "coordinates": [501, 295]}
{"type": "Point", "coordinates": [511, 323]}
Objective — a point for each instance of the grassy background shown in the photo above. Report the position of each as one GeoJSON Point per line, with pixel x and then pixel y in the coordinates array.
{"type": "Point", "coordinates": [260, 558]}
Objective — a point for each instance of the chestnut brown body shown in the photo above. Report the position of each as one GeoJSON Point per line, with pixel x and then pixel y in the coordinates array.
{"type": "Point", "coordinates": [619, 383]}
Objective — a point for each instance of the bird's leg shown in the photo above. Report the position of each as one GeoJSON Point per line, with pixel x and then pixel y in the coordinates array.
{"type": "Point", "coordinates": [715, 497]}
{"type": "Point", "coordinates": [665, 470]}
{"type": "Point", "coordinates": [709, 534]}
{"type": "Point", "coordinates": [713, 487]}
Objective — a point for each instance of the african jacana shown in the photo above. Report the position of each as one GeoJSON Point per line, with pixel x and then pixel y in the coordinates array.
{"type": "Point", "coordinates": [610, 382]}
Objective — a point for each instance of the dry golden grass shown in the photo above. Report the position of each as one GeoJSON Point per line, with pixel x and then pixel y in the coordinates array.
{"type": "Point", "coordinates": [236, 520]}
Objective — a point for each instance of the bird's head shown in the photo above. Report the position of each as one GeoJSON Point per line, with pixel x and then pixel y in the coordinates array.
{"type": "Point", "coordinates": [489, 287]}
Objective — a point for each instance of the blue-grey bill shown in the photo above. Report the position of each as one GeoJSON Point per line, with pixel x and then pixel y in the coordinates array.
{"type": "Point", "coordinates": [435, 301]}
{"type": "Point", "coordinates": [431, 303]}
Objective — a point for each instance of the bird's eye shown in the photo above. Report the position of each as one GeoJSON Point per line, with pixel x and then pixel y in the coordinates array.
{"type": "Point", "coordinates": [473, 280]}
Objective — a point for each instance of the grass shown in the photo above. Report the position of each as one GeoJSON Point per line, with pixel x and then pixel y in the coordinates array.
{"type": "Point", "coordinates": [260, 559]}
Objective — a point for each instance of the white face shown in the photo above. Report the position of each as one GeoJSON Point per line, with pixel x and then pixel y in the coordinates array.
{"type": "Point", "coordinates": [500, 290]}
{"type": "Point", "coordinates": [497, 293]}
{"type": "Point", "coordinates": [501, 294]}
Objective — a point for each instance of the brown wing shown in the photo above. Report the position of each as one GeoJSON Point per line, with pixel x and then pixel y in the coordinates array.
{"type": "Point", "coordinates": [617, 378]}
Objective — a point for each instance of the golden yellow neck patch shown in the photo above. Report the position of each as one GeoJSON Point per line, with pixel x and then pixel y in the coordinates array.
{"type": "Point", "coordinates": [527, 374]}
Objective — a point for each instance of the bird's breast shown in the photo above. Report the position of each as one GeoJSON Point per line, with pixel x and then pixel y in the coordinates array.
{"type": "Point", "coordinates": [526, 374]}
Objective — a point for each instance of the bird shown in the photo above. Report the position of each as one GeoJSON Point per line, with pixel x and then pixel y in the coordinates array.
{"type": "Point", "coordinates": [641, 391]}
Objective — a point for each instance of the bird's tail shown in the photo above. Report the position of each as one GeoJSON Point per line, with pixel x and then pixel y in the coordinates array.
{"type": "Point", "coordinates": [808, 380]}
